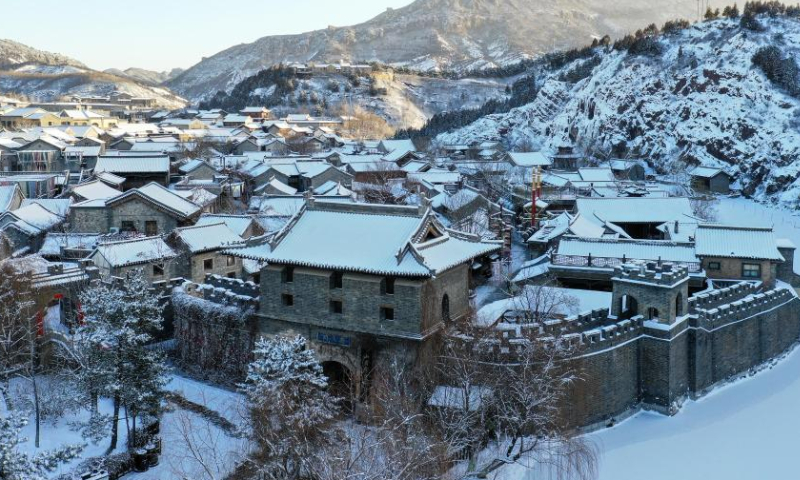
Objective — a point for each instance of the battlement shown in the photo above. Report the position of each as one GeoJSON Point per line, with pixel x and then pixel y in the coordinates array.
{"type": "Point", "coordinates": [240, 287]}
{"type": "Point", "coordinates": [589, 331]}
{"type": "Point", "coordinates": [664, 274]}
{"type": "Point", "coordinates": [716, 298]}
{"type": "Point", "coordinates": [743, 308]}
{"type": "Point", "coordinates": [229, 292]}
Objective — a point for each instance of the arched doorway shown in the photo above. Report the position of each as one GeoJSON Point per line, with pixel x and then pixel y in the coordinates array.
{"type": "Point", "coordinates": [652, 313]}
{"type": "Point", "coordinates": [445, 308]}
{"type": "Point", "coordinates": [340, 383]}
{"type": "Point", "coordinates": [628, 307]}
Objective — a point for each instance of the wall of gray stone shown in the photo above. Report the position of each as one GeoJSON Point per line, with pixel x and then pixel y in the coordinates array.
{"type": "Point", "coordinates": [657, 367]}
{"type": "Point", "coordinates": [361, 298]}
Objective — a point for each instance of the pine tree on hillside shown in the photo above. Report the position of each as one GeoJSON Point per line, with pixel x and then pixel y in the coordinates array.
{"type": "Point", "coordinates": [290, 406]}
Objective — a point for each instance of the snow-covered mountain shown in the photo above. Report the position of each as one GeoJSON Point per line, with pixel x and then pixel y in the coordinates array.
{"type": "Point", "coordinates": [14, 54]}
{"type": "Point", "coordinates": [438, 34]}
{"type": "Point", "coordinates": [143, 75]}
{"type": "Point", "coordinates": [701, 100]}
{"type": "Point", "coordinates": [44, 76]}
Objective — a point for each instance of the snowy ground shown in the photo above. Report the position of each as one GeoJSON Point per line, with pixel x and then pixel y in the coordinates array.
{"type": "Point", "coordinates": [744, 431]}
{"type": "Point", "coordinates": [193, 447]}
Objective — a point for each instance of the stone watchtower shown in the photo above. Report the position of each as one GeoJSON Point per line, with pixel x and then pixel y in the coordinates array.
{"type": "Point", "coordinates": [656, 292]}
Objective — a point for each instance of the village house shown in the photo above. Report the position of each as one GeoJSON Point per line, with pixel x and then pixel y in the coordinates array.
{"type": "Point", "coordinates": [710, 180]}
{"type": "Point", "coordinates": [198, 169]}
{"type": "Point", "coordinates": [10, 197]}
{"type": "Point", "coordinates": [150, 255]}
{"type": "Point", "coordinates": [137, 170]}
{"type": "Point", "coordinates": [199, 249]}
{"type": "Point", "coordinates": [26, 227]}
{"type": "Point", "coordinates": [151, 209]}
{"type": "Point", "coordinates": [743, 253]}
{"type": "Point", "coordinates": [244, 226]}
{"type": "Point", "coordinates": [363, 282]}
{"type": "Point", "coordinates": [258, 113]}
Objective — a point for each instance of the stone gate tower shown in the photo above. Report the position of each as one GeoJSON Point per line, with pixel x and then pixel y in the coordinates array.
{"type": "Point", "coordinates": [656, 292]}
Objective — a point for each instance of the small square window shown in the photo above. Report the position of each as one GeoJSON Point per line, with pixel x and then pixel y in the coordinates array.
{"type": "Point", "coordinates": [231, 261]}
{"type": "Point", "coordinates": [287, 300]}
{"type": "Point", "coordinates": [387, 313]}
{"type": "Point", "coordinates": [714, 265]}
{"type": "Point", "coordinates": [208, 264]}
{"type": "Point", "coordinates": [336, 280]}
{"type": "Point", "coordinates": [158, 270]}
{"type": "Point", "coordinates": [231, 274]}
{"type": "Point", "coordinates": [336, 306]}
{"type": "Point", "coordinates": [751, 270]}
{"type": "Point", "coordinates": [287, 275]}
{"type": "Point", "coordinates": [128, 226]}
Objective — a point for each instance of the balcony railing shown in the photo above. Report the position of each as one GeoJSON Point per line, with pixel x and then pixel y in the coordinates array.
{"type": "Point", "coordinates": [610, 262]}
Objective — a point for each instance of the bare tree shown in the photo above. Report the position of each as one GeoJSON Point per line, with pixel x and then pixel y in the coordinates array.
{"type": "Point", "coordinates": [397, 444]}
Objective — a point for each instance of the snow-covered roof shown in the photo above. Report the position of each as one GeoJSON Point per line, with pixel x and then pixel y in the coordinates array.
{"type": "Point", "coordinates": [436, 176]}
{"type": "Point", "coordinates": [664, 250]}
{"type": "Point", "coordinates": [596, 174]}
{"type": "Point", "coordinates": [198, 195]}
{"type": "Point", "coordinates": [206, 237]}
{"type": "Point", "coordinates": [149, 164]}
{"type": "Point", "coordinates": [53, 242]}
{"type": "Point", "coordinates": [110, 178]}
{"type": "Point", "coordinates": [82, 150]}
{"type": "Point", "coordinates": [706, 172]}
{"type": "Point", "coordinates": [34, 218]}
{"type": "Point", "coordinates": [330, 188]}
{"type": "Point", "coordinates": [134, 252]}
{"type": "Point", "coordinates": [169, 199]}
{"type": "Point", "coordinates": [281, 187]}
{"type": "Point", "coordinates": [529, 159]}
{"type": "Point", "coordinates": [193, 165]}
{"type": "Point", "coordinates": [376, 239]}
{"type": "Point", "coordinates": [7, 194]}
{"type": "Point", "coordinates": [94, 190]}
{"type": "Point", "coordinates": [729, 241]}
{"type": "Point", "coordinates": [238, 224]}
{"type": "Point", "coordinates": [636, 209]}
{"type": "Point", "coordinates": [59, 206]}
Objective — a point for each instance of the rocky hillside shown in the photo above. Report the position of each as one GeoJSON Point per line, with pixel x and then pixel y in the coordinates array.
{"type": "Point", "coordinates": [42, 76]}
{"type": "Point", "coordinates": [404, 101]}
{"type": "Point", "coordinates": [143, 75]}
{"type": "Point", "coordinates": [437, 34]}
{"type": "Point", "coordinates": [680, 99]}
{"type": "Point", "coordinates": [14, 55]}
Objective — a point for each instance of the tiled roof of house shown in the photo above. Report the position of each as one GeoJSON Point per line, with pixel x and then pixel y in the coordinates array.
{"type": "Point", "coordinates": [149, 164]}
{"type": "Point", "coordinates": [203, 238]}
{"type": "Point", "coordinates": [736, 242]}
{"type": "Point", "coordinates": [376, 239]}
{"type": "Point", "coordinates": [134, 252]}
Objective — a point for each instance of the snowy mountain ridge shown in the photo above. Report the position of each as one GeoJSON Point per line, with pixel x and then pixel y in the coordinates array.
{"type": "Point", "coordinates": [700, 101]}
{"type": "Point", "coordinates": [460, 35]}
{"type": "Point", "coordinates": [46, 77]}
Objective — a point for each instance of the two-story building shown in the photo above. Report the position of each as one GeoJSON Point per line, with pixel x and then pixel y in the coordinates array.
{"type": "Point", "coordinates": [364, 283]}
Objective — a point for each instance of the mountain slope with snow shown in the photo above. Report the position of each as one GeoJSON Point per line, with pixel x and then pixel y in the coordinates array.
{"type": "Point", "coordinates": [14, 54]}
{"type": "Point", "coordinates": [700, 101]}
{"type": "Point", "coordinates": [142, 75]}
{"type": "Point", "coordinates": [46, 77]}
{"type": "Point", "coordinates": [437, 34]}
